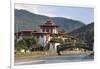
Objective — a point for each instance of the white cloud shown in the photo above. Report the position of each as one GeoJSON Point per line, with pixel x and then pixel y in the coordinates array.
{"type": "Point", "coordinates": [38, 9]}
{"type": "Point", "coordinates": [68, 17]}
{"type": "Point", "coordinates": [19, 6]}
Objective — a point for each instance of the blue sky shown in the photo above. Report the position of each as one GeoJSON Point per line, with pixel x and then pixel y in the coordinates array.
{"type": "Point", "coordinates": [83, 14]}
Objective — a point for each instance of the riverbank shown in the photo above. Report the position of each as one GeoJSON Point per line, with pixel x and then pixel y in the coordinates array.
{"type": "Point", "coordinates": [38, 54]}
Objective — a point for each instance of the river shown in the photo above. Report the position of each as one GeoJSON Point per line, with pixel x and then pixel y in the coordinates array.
{"type": "Point", "coordinates": [52, 59]}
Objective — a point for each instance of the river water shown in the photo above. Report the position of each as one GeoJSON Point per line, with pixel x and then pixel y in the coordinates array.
{"type": "Point", "coordinates": [52, 59]}
{"type": "Point", "coordinates": [61, 59]}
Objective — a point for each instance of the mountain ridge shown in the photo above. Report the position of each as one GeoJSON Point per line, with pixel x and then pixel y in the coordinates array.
{"type": "Point", "coordinates": [30, 21]}
{"type": "Point", "coordinates": [85, 33]}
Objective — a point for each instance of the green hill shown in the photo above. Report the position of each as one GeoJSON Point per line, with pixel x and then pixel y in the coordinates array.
{"type": "Point", "coordinates": [30, 21]}
{"type": "Point", "coordinates": [85, 33]}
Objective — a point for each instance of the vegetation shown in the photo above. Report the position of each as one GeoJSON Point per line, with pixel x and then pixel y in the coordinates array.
{"type": "Point", "coordinates": [38, 54]}
{"type": "Point", "coordinates": [56, 40]}
{"type": "Point", "coordinates": [85, 34]}
{"type": "Point", "coordinates": [26, 43]}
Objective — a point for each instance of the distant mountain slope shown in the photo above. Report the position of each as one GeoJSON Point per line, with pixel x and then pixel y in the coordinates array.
{"type": "Point", "coordinates": [85, 33]}
{"type": "Point", "coordinates": [30, 21]}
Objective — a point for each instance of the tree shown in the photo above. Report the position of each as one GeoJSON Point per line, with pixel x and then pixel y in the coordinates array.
{"type": "Point", "coordinates": [21, 45]}
{"type": "Point", "coordinates": [56, 40]}
{"type": "Point", "coordinates": [26, 43]}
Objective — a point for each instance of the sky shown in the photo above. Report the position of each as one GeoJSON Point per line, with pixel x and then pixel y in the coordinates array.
{"type": "Point", "coordinates": [83, 14]}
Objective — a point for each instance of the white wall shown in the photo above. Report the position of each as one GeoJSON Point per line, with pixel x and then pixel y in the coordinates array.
{"type": "Point", "coordinates": [53, 46]}
{"type": "Point", "coordinates": [56, 44]}
{"type": "Point", "coordinates": [55, 30]}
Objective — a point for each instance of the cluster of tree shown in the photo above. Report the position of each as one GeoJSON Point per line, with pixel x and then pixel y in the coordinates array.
{"type": "Point", "coordinates": [25, 43]}
{"type": "Point", "coordinates": [56, 40]}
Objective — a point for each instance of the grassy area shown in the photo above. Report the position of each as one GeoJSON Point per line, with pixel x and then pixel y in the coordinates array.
{"type": "Point", "coordinates": [35, 54]}
{"type": "Point", "coordinates": [48, 53]}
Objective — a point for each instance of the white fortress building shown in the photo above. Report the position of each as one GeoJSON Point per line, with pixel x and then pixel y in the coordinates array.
{"type": "Point", "coordinates": [47, 29]}
{"type": "Point", "coordinates": [50, 27]}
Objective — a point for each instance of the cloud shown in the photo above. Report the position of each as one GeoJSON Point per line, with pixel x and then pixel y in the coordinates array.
{"type": "Point", "coordinates": [19, 6]}
{"type": "Point", "coordinates": [68, 17]}
{"type": "Point", "coordinates": [54, 11]}
{"type": "Point", "coordinates": [40, 9]}
{"type": "Point", "coordinates": [43, 10]}
{"type": "Point", "coordinates": [37, 9]}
